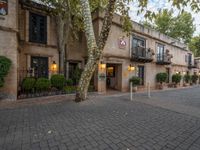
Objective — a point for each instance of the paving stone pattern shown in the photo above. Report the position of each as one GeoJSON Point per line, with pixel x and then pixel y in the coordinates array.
{"type": "Point", "coordinates": [110, 123]}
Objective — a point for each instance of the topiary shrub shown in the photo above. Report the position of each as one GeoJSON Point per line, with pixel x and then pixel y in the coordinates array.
{"type": "Point", "coordinates": [69, 82]}
{"type": "Point", "coordinates": [194, 78]}
{"type": "Point", "coordinates": [58, 81]}
{"type": "Point", "coordinates": [187, 78]}
{"type": "Point", "coordinates": [42, 84]}
{"type": "Point", "coordinates": [176, 78]}
{"type": "Point", "coordinates": [135, 81]}
{"type": "Point", "coordinates": [28, 84]}
{"type": "Point", "coordinates": [161, 77]}
{"type": "Point", "coordinates": [5, 65]}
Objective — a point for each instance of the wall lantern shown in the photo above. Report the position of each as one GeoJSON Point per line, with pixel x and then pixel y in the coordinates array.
{"type": "Point", "coordinates": [131, 68]}
{"type": "Point", "coordinates": [102, 65]}
{"type": "Point", "coordinates": [54, 66]}
{"type": "Point", "coordinates": [184, 73]}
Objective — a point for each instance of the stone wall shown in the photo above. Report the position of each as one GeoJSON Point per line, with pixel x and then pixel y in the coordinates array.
{"type": "Point", "coordinates": [9, 48]}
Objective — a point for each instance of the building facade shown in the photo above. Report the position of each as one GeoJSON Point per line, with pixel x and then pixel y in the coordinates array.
{"type": "Point", "coordinates": [28, 38]}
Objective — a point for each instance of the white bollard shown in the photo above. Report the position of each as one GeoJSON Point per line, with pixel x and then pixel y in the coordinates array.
{"type": "Point", "coordinates": [131, 91]}
{"type": "Point", "coordinates": [149, 90]}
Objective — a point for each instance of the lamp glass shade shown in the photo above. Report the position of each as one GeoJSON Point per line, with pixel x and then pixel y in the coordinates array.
{"type": "Point", "coordinates": [54, 66]}
{"type": "Point", "coordinates": [131, 68]}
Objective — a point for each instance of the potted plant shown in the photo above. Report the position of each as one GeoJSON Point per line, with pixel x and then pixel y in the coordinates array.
{"type": "Point", "coordinates": [135, 82]}
{"type": "Point", "coordinates": [194, 78]}
{"type": "Point", "coordinates": [176, 79]}
{"type": "Point", "coordinates": [187, 80]}
{"type": "Point", "coordinates": [161, 78]}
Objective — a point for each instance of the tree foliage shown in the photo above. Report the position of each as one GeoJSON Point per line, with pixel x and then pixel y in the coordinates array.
{"type": "Point", "coordinates": [194, 45]}
{"type": "Point", "coordinates": [179, 27]}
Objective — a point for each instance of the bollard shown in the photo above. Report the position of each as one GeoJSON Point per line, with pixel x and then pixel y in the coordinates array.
{"type": "Point", "coordinates": [149, 90]}
{"type": "Point", "coordinates": [131, 91]}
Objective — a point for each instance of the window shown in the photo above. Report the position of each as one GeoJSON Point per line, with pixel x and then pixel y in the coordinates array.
{"type": "Point", "coordinates": [40, 66]}
{"type": "Point", "coordinates": [138, 42]}
{"type": "Point", "coordinates": [72, 68]}
{"type": "Point", "coordinates": [141, 74]}
{"type": "Point", "coordinates": [37, 28]}
{"type": "Point", "coordinates": [168, 74]}
{"type": "Point", "coordinates": [160, 52]}
{"type": "Point", "coordinates": [190, 59]}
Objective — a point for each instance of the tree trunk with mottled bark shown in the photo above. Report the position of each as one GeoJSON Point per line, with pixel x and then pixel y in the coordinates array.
{"type": "Point", "coordinates": [62, 31]}
{"type": "Point", "coordinates": [94, 49]}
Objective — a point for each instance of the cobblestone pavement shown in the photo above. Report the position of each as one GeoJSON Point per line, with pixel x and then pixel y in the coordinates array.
{"type": "Point", "coordinates": [111, 122]}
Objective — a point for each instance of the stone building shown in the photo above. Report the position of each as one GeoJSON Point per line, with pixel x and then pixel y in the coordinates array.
{"type": "Point", "coordinates": [28, 38]}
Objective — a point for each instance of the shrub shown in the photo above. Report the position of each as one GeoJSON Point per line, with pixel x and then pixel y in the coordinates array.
{"type": "Point", "coordinates": [58, 81]}
{"type": "Point", "coordinates": [194, 78]}
{"type": "Point", "coordinates": [187, 78]}
{"type": "Point", "coordinates": [161, 77]}
{"type": "Point", "coordinates": [28, 83]}
{"type": "Point", "coordinates": [176, 78]}
{"type": "Point", "coordinates": [5, 65]}
{"type": "Point", "coordinates": [70, 89]}
{"type": "Point", "coordinates": [76, 75]}
{"type": "Point", "coordinates": [69, 82]}
{"type": "Point", "coordinates": [135, 81]}
{"type": "Point", "coordinates": [42, 84]}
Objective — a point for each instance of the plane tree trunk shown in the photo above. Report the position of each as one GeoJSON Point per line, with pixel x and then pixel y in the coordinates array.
{"type": "Point", "coordinates": [63, 33]}
{"type": "Point", "coordinates": [94, 49]}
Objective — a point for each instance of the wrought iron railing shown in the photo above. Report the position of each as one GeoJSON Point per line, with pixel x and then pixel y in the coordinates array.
{"type": "Point", "coordinates": [142, 53]}
{"type": "Point", "coordinates": [164, 58]}
{"type": "Point", "coordinates": [22, 93]}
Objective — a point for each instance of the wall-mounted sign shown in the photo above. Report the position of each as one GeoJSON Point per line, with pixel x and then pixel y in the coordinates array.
{"type": "Point", "coordinates": [122, 43]}
{"type": "Point", "coordinates": [3, 7]}
{"type": "Point", "coordinates": [102, 76]}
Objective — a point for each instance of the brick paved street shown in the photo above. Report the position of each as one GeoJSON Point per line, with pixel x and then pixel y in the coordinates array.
{"type": "Point", "coordinates": [102, 123]}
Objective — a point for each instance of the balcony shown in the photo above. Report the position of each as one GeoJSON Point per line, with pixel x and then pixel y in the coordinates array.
{"type": "Point", "coordinates": [141, 54]}
{"type": "Point", "coordinates": [164, 59]}
{"type": "Point", "coordinates": [193, 65]}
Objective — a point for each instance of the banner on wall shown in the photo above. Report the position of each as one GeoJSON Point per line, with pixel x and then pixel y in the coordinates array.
{"type": "Point", "coordinates": [3, 7]}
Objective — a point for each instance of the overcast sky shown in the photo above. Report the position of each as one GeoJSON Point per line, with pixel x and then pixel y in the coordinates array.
{"type": "Point", "coordinates": [155, 5]}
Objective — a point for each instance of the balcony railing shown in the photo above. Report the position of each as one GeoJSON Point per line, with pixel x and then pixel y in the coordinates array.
{"type": "Point", "coordinates": [164, 59]}
{"type": "Point", "coordinates": [193, 65]}
{"type": "Point", "coordinates": [141, 54]}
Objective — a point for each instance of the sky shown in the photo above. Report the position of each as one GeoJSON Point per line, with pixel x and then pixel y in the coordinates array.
{"type": "Point", "coordinates": [155, 5]}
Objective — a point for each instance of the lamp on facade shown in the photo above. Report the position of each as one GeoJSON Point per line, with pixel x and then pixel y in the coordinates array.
{"type": "Point", "coordinates": [131, 68]}
{"type": "Point", "coordinates": [102, 65]}
{"type": "Point", "coordinates": [54, 66]}
{"type": "Point", "coordinates": [184, 73]}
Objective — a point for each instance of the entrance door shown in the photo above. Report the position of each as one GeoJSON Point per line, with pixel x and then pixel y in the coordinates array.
{"type": "Point", "coordinates": [141, 74]}
{"type": "Point", "coordinates": [114, 77]}
{"type": "Point", "coordinates": [168, 74]}
{"type": "Point", "coordinates": [40, 66]}
{"type": "Point", "coordinates": [111, 76]}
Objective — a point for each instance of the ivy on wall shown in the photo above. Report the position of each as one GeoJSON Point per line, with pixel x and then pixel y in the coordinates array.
{"type": "Point", "coordinates": [5, 65]}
